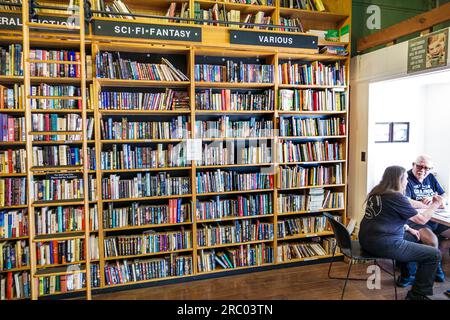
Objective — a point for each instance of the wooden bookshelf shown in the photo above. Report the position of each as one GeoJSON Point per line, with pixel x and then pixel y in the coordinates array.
{"type": "Point", "coordinates": [214, 49]}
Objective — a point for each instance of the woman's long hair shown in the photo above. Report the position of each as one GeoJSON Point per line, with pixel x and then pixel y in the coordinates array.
{"type": "Point", "coordinates": [390, 183]}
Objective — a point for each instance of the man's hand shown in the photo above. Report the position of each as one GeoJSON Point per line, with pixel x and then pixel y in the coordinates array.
{"type": "Point", "coordinates": [438, 200]}
{"type": "Point", "coordinates": [414, 232]}
{"type": "Point", "coordinates": [427, 201]}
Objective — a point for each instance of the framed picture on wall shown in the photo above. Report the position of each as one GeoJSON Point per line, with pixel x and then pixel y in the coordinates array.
{"type": "Point", "coordinates": [400, 132]}
{"type": "Point", "coordinates": [383, 132]}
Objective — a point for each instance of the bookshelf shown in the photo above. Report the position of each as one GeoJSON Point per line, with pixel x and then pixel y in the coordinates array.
{"type": "Point", "coordinates": [155, 205]}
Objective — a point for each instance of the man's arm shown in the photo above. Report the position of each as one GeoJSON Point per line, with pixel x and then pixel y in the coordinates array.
{"type": "Point", "coordinates": [417, 204]}
{"type": "Point", "coordinates": [425, 215]}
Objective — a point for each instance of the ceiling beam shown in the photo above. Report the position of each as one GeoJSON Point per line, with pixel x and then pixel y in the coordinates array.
{"type": "Point", "coordinates": [418, 23]}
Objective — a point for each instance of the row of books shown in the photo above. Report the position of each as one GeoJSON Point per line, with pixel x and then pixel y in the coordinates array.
{"type": "Point", "coordinates": [69, 188]}
{"type": "Point", "coordinates": [11, 98]}
{"type": "Point", "coordinates": [225, 127]}
{"type": "Point", "coordinates": [234, 72]}
{"type": "Point", "coordinates": [12, 128]}
{"type": "Point", "coordinates": [230, 258]}
{"type": "Point", "coordinates": [312, 100]}
{"type": "Point", "coordinates": [177, 128]}
{"type": "Point", "coordinates": [161, 184]}
{"type": "Point", "coordinates": [297, 226]}
{"type": "Point", "coordinates": [127, 156]}
{"type": "Point", "coordinates": [45, 69]}
{"type": "Point", "coordinates": [216, 154]}
{"type": "Point", "coordinates": [10, 7]}
{"type": "Point", "coordinates": [239, 231]}
{"type": "Point", "coordinates": [54, 220]}
{"type": "Point", "coordinates": [52, 103]}
{"type": "Point", "coordinates": [295, 23]}
{"type": "Point", "coordinates": [303, 202]}
{"type": "Point", "coordinates": [167, 100]}
{"type": "Point", "coordinates": [182, 13]}
{"type": "Point", "coordinates": [294, 177]}
{"type": "Point", "coordinates": [55, 122]}
{"type": "Point", "coordinates": [300, 250]}
{"type": "Point", "coordinates": [224, 181]}
{"type": "Point", "coordinates": [139, 270]}
{"type": "Point", "coordinates": [13, 224]}
{"type": "Point", "coordinates": [312, 127]}
{"type": "Point", "coordinates": [313, 73]}
{"type": "Point", "coordinates": [141, 214]}
{"type": "Point", "coordinates": [289, 151]}
{"type": "Point", "coordinates": [115, 7]}
{"type": "Point", "coordinates": [11, 60]}
{"type": "Point", "coordinates": [62, 284]}
{"type": "Point", "coordinates": [222, 16]}
{"type": "Point", "coordinates": [60, 252]}
{"type": "Point", "coordinates": [62, 155]}
{"type": "Point", "coordinates": [242, 206]}
{"type": "Point", "coordinates": [226, 100]}
{"type": "Point", "coordinates": [13, 161]}
{"type": "Point", "coordinates": [114, 67]}
{"type": "Point", "coordinates": [13, 192]}
{"type": "Point", "coordinates": [15, 285]}
{"type": "Point", "coordinates": [14, 255]}
{"type": "Point", "coordinates": [149, 242]}
{"type": "Point", "coordinates": [313, 5]}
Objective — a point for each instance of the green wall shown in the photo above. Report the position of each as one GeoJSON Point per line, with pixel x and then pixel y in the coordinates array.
{"type": "Point", "coordinates": [392, 12]}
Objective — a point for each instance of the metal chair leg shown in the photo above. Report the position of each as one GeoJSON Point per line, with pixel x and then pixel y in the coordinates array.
{"type": "Point", "coordinates": [331, 263]}
{"type": "Point", "coordinates": [346, 279]}
{"type": "Point", "coordinates": [395, 282]}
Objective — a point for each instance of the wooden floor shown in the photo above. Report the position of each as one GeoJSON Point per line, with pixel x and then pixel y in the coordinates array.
{"type": "Point", "coordinates": [304, 282]}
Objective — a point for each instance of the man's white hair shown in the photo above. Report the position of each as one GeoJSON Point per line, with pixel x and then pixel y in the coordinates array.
{"type": "Point", "coordinates": [425, 158]}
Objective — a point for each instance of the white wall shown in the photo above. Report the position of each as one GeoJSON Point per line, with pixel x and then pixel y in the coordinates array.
{"type": "Point", "coordinates": [437, 130]}
{"type": "Point", "coordinates": [395, 101]}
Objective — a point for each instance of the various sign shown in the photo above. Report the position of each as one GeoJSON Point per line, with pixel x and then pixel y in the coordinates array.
{"type": "Point", "coordinates": [272, 39]}
{"type": "Point", "coordinates": [13, 21]}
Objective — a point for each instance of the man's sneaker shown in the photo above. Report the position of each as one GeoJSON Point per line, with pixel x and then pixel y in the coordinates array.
{"type": "Point", "coordinates": [404, 282]}
{"type": "Point", "coordinates": [416, 296]}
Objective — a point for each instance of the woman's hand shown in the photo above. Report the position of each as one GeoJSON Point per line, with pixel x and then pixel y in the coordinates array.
{"type": "Point", "coordinates": [427, 200]}
{"type": "Point", "coordinates": [414, 232]}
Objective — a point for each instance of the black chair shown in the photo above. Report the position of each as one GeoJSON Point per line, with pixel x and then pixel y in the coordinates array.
{"type": "Point", "coordinates": [353, 251]}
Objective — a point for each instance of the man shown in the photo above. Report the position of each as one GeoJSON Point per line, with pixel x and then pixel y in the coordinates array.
{"type": "Point", "coordinates": [420, 190]}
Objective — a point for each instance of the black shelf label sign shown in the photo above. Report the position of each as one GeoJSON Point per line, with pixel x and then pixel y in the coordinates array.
{"type": "Point", "coordinates": [272, 39]}
{"type": "Point", "coordinates": [13, 21]}
{"type": "Point", "coordinates": [146, 31]}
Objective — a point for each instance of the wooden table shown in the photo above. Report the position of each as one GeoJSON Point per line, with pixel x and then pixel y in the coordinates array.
{"type": "Point", "coordinates": [441, 217]}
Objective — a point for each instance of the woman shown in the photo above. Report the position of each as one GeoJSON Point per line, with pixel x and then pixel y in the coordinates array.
{"type": "Point", "coordinates": [382, 230]}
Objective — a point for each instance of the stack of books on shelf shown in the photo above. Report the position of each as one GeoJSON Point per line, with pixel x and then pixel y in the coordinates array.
{"type": "Point", "coordinates": [12, 161]}
{"type": "Point", "coordinates": [312, 100]}
{"type": "Point", "coordinates": [314, 73]}
{"type": "Point", "coordinates": [232, 100]}
{"type": "Point", "coordinates": [13, 192]}
{"type": "Point", "coordinates": [234, 72]}
{"type": "Point", "coordinates": [316, 199]}
{"type": "Point", "coordinates": [297, 176]}
{"type": "Point", "coordinates": [52, 103]}
{"type": "Point", "coordinates": [13, 224]}
{"type": "Point", "coordinates": [15, 285]}
{"type": "Point", "coordinates": [11, 60]}
{"type": "Point", "coordinates": [302, 226]}
{"type": "Point", "coordinates": [317, 151]}
{"type": "Point", "coordinates": [313, 5]}
{"type": "Point", "coordinates": [225, 127]}
{"type": "Point", "coordinates": [226, 181]}
{"type": "Point", "coordinates": [12, 128]}
{"type": "Point", "coordinates": [120, 272]}
{"type": "Point", "coordinates": [215, 153]}
{"type": "Point", "coordinates": [149, 242]}
{"type": "Point", "coordinates": [251, 205]}
{"type": "Point", "coordinates": [60, 252]}
{"type": "Point", "coordinates": [14, 255]}
{"type": "Point", "coordinates": [52, 220]}
{"type": "Point", "coordinates": [182, 13]}
{"type": "Point", "coordinates": [112, 66]}
{"type": "Point", "coordinates": [311, 127]}
{"type": "Point", "coordinates": [167, 100]}
{"type": "Point", "coordinates": [300, 250]}
{"type": "Point", "coordinates": [11, 97]}
{"type": "Point", "coordinates": [142, 215]}
{"type": "Point", "coordinates": [237, 232]}
{"type": "Point", "coordinates": [117, 7]}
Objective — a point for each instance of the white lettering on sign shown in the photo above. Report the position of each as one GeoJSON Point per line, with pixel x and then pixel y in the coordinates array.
{"type": "Point", "coordinates": [152, 31]}
{"type": "Point", "coordinates": [374, 21]}
{"type": "Point", "coordinates": [276, 40]}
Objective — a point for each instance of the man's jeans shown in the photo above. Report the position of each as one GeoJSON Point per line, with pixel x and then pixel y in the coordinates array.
{"type": "Point", "coordinates": [401, 250]}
